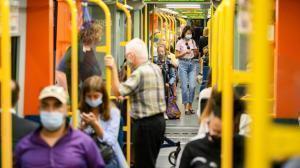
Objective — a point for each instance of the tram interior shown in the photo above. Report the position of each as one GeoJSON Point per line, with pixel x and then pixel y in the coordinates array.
{"type": "Point", "coordinates": [40, 34]}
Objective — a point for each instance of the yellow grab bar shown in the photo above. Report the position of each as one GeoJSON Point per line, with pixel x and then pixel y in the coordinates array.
{"type": "Point", "coordinates": [227, 93]}
{"type": "Point", "coordinates": [257, 155]}
{"type": "Point", "coordinates": [161, 22]}
{"type": "Point", "coordinates": [127, 128]}
{"type": "Point", "coordinates": [6, 127]}
{"type": "Point", "coordinates": [74, 63]}
{"type": "Point", "coordinates": [174, 29]}
{"type": "Point", "coordinates": [107, 46]}
{"type": "Point", "coordinates": [146, 24]}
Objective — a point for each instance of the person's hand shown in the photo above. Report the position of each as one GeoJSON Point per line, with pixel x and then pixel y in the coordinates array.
{"type": "Point", "coordinates": [89, 118]}
{"type": "Point", "coordinates": [188, 52]}
{"type": "Point", "coordinates": [109, 62]}
{"type": "Point", "coordinates": [167, 85]}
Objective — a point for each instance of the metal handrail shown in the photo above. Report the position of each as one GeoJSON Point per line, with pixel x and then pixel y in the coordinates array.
{"type": "Point", "coordinates": [74, 63]}
{"type": "Point", "coordinates": [107, 47]}
{"type": "Point", "coordinates": [127, 128]}
{"type": "Point", "coordinates": [227, 91]}
{"type": "Point", "coordinates": [6, 128]}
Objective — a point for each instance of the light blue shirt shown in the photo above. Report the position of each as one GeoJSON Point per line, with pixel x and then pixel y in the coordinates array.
{"type": "Point", "coordinates": [110, 134]}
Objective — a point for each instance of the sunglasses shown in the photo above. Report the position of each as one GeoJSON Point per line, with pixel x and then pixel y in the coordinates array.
{"type": "Point", "coordinates": [187, 46]}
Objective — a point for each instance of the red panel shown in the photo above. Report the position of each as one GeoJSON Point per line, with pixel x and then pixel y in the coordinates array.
{"type": "Point", "coordinates": [39, 52]}
{"type": "Point", "coordinates": [287, 59]}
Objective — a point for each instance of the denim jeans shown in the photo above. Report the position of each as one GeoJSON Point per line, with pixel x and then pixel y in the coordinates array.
{"type": "Point", "coordinates": [187, 75]}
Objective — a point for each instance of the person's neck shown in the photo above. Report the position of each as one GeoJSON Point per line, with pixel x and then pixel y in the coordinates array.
{"type": "Point", "coordinates": [86, 48]}
{"type": "Point", "coordinates": [51, 137]}
{"type": "Point", "coordinates": [139, 63]}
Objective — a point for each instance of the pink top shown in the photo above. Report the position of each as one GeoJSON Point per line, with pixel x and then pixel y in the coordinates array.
{"type": "Point", "coordinates": [181, 46]}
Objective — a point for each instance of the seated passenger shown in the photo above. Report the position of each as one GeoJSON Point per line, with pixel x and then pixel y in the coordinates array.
{"type": "Point", "coordinates": [55, 143]}
{"type": "Point", "coordinates": [167, 68]}
{"type": "Point", "coordinates": [88, 65]}
{"type": "Point", "coordinates": [204, 119]}
{"type": "Point", "coordinates": [206, 151]}
{"type": "Point", "coordinates": [101, 118]}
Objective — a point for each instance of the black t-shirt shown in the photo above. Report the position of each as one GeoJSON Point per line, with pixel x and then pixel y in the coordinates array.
{"type": "Point", "coordinates": [203, 41]}
{"type": "Point", "coordinates": [204, 153]}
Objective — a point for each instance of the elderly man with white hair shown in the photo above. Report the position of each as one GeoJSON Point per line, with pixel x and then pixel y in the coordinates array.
{"type": "Point", "coordinates": [145, 87]}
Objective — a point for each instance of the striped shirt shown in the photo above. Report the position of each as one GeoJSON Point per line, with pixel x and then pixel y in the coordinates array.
{"type": "Point", "coordinates": [145, 87]}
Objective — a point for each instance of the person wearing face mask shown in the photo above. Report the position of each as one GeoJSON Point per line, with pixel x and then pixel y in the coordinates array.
{"type": "Point", "coordinates": [55, 143]}
{"type": "Point", "coordinates": [187, 69]}
{"type": "Point", "coordinates": [145, 87]}
{"type": "Point", "coordinates": [101, 118]}
{"type": "Point", "coordinates": [206, 151]}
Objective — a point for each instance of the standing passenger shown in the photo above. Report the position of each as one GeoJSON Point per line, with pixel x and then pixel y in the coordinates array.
{"type": "Point", "coordinates": [145, 87]}
{"type": "Point", "coordinates": [88, 65]}
{"type": "Point", "coordinates": [55, 143]}
{"type": "Point", "coordinates": [100, 117]}
{"type": "Point", "coordinates": [185, 48]}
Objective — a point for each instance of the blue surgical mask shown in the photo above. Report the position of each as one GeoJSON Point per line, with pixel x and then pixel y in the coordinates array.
{"type": "Point", "coordinates": [94, 103]}
{"type": "Point", "coordinates": [52, 121]}
{"type": "Point", "coordinates": [188, 36]}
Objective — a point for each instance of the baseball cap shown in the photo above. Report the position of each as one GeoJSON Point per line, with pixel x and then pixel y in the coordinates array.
{"type": "Point", "coordinates": [54, 91]}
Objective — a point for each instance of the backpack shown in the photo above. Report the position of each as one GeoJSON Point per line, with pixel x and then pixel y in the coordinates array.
{"type": "Point", "coordinates": [173, 111]}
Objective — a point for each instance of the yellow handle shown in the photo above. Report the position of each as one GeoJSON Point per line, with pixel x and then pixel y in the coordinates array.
{"type": "Point", "coordinates": [6, 128]}
{"type": "Point", "coordinates": [127, 128]}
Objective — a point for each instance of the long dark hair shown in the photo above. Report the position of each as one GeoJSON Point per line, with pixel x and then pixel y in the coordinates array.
{"type": "Point", "coordinates": [185, 29]}
{"type": "Point", "coordinates": [95, 83]}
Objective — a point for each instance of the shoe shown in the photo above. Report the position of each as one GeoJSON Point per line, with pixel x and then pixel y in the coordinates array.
{"type": "Point", "coordinates": [192, 111]}
{"type": "Point", "coordinates": [187, 112]}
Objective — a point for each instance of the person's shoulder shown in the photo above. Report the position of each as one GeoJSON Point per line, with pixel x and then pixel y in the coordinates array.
{"type": "Point", "coordinates": [25, 142]}
{"type": "Point", "coordinates": [114, 111]}
{"type": "Point", "coordinates": [81, 136]}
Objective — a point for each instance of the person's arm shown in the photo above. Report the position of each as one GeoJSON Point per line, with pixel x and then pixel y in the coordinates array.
{"type": "Point", "coordinates": [172, 75]}
{"type": "Point", "coordinates": [115, 83]}
{"type": "Point", "coordinates": [181, 53]}
{"type": "Point", "coordinates": [110, 135]}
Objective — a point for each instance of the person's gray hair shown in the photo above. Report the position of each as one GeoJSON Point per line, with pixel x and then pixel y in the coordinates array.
{"type": "Point", "coordinates": [138, 47]}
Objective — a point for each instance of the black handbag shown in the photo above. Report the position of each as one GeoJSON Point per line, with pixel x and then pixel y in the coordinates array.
{"type": "Point", "coordinates": [106, 150]}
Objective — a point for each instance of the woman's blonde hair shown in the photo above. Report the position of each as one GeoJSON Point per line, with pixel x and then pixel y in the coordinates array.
{"type": "Point", "coordinates": [95, 83]}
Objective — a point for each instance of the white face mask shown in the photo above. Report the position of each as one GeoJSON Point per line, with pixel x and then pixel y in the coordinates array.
{"type": "Point", "coordinates": [188, 36]}
{"type": "Point", "coordinates": [94, 103]}
{"type": "Point", "coordinates": [52, 121]}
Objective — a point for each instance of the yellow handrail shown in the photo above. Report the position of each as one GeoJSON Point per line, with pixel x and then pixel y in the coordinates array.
{"type": "Point", "coordinates": [6, 127]}
{"type": "Point", "coordinates": [174, 29]}
{"type": "Point", "coordinates": [227, 98]}
{"type": "Point", "coordinates": [107, 46]}
{"type": "Point", "coordinates": [214, 60]}
{"type": "Point", "coordinates": [166, 28]}
{"type": "Point", "coordinates": [128, 124]}
{"type": "Point", "coordinates": [161, 21]}
{"type": "Point", "coordinates": [146, 24]}
{"type": "Point", "coordinates": [170, 30]}
{"type": "Point", "coordinates": [260, 68]}
{"type": "Point", "coordinates": [220, 46]}
{"type": "Point", "coordinates": [210, 35]}
{"type": "Point", "coordinates": [74, 63]}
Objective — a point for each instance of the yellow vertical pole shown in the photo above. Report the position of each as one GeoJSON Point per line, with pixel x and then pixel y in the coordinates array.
{"type": "Point", "coordinates": [170, 30]}
{"type": "Point", "coordinates": [6, 127]}
{"type": "Point", "coordinates": [211, 34]}
{"type": "Point", "coordinates": [146, 24]}
{"type": "Point", "coordinates": [215, 40]}
{"type": "Point", "coordinates": [74, 63]}
{"type": "Point", "coordinates": [166, 28]}
{"type": "Point", "coordinates": [174, 29]}
{"type": "Point", "coordinates": [161, 22]}
{"type": "Point", "coordinates": [220, 46]}
{"type": "Point", "coordinates": [152, 39]}
{"type": "Point", "coordinates": [128, 124]}
{"type": "Point", "coordinates": [227, 92]}
{"type": "Point", "coordinates": [107, 46]}
{"type": "Point", "coordinates": [257, 155]}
